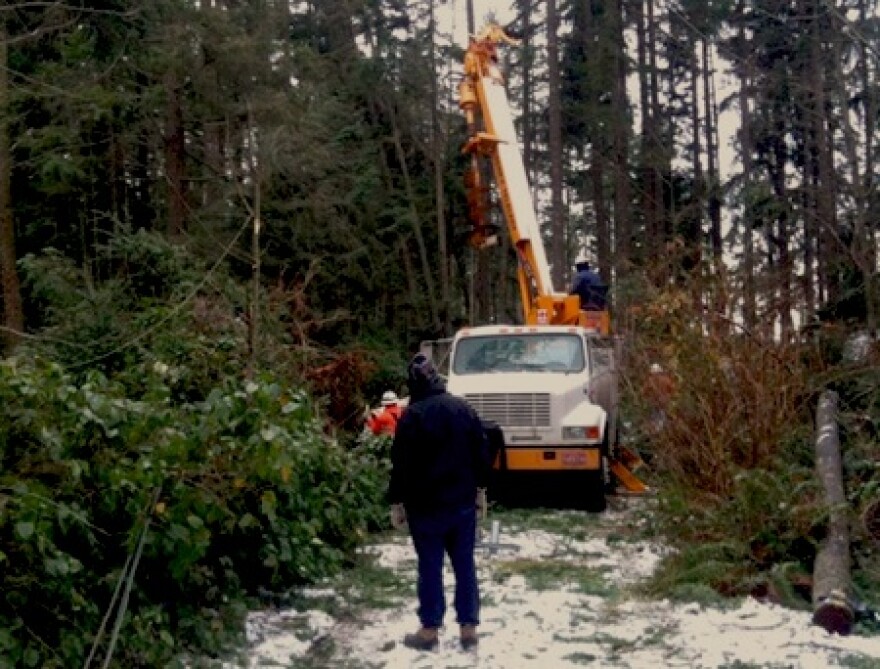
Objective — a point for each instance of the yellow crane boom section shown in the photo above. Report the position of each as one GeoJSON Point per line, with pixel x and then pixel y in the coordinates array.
{"type": "Point", "coordinates": [492, 136]}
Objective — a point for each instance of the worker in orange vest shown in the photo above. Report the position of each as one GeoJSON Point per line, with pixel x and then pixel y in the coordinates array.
{"type": "Point", "coordinates": [384, 421]}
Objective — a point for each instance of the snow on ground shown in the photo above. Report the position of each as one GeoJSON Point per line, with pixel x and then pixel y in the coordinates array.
{"type": "Point", "coordinates": [604, 624]}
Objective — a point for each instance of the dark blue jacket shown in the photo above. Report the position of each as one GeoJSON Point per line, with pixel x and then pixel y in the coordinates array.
{"type": "Point", "coordinates": [589, 287]}
{"type": "Point", "coordinates": [440, 453]}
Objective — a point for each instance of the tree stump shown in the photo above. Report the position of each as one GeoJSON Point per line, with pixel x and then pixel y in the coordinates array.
{"type": "Point", "coordinates": [831, 570]}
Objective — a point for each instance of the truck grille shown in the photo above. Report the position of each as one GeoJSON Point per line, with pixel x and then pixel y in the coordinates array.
{"type": "Point", "coordinates": [513, 409]}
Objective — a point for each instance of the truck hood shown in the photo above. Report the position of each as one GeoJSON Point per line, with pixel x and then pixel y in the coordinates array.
{"type": "Point", "coordinates": [544, 382]}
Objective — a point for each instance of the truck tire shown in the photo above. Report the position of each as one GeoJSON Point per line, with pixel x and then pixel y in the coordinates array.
{"type": "Point", "coordinates": [594, 498]}
{"type": "Point", "coordinates": [598, 482]}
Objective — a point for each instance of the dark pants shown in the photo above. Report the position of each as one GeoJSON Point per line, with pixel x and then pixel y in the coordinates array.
{"type": "Point", "coordinates": [452, 533]}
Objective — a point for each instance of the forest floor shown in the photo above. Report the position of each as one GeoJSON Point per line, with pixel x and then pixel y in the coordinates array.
{"type": "Point", "coordinates": [559, 589]}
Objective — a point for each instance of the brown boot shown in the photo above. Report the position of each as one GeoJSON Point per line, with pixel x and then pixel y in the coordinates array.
{"type": "Point", "coordinates": [425, 639]}
{"type": "Point", "coordinates": [469, 637]}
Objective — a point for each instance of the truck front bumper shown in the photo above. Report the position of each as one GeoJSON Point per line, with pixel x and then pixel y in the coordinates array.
{"type": "Point", "coordinates": [549, 458]}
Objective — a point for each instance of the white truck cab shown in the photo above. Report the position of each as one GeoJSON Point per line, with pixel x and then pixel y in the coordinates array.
{"type": "Point", "coordinates": [551, 390]}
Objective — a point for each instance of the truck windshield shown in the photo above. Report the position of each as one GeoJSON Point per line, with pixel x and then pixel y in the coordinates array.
{"type": "Point", "coordinates": [519, 353]}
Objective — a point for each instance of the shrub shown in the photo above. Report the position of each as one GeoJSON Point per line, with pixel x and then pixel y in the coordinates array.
{"type": "Point", "coordinates": [734, 457]}
{"type": "Point", "coordinates": [235, 493]}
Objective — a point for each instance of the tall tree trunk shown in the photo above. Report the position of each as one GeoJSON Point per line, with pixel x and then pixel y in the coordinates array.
{"type": "Point", "coordinates": [479, 267]}
{"type": "Point", "coordinates": [694, 233]}
{"type": "Point", "coordinates": [869, 72]}
{"type": "Point", "coordinates": [690, 229]}
{"type": "Point", "coordinates": [554, 108]}
{"type": "Point", "coordinates": [621, 120]}
{"type": "Point", "coordinates": [868, 193]}
{"type": "Point", "coordinates": [713, 195]}
{"type": "Point", "coordinates": [256, 254]}
{"type": "Point", "coordinates": [783, 231]}
{"type": "Point", "coordinates": [596, 36]}
{"type": "Point", "coordinates": [861, 250]}
{"type": "Point", "coordinates": [749, 306]}
{"type": "Point", "coordinates": [527, 62]}
{"type": "Point", "coordinates": [175, 148]}
{"type": "Point", "coordinates": [437, 149]}
{"type": "Point", "coordinates": [829, 243]}
{"type": "Point", "coordinates": [713, 191]}
{"type": "Point", "coordinates": [13, 315]}
{"type": "Point", "coordinates": [654, 210]}
{"type": "Point", "coordinates": [811, 227]}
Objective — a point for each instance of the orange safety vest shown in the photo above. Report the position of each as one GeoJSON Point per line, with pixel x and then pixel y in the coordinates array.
{"type": "Point", "coordinates": [385, 422]}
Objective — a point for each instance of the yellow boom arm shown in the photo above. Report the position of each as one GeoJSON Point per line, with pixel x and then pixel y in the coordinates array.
{"type": "Point", "coordinates": [492, 137]}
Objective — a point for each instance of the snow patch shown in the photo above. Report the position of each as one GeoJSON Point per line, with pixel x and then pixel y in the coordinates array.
{"type": "Point", "coordinates": [564, 627]}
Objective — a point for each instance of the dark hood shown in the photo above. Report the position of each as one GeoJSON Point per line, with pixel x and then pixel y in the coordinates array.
{"type": "Point", "coordinates": [422, 388]}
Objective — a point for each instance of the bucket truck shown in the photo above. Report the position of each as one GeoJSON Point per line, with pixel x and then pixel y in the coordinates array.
{"type": "Point", "coordinates": [550, 382]}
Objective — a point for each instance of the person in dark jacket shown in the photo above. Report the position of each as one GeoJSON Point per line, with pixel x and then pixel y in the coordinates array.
{"type": "Point", "coordinates": [440, 469]}
{"type": "Point", "coordinates": [588, 285]}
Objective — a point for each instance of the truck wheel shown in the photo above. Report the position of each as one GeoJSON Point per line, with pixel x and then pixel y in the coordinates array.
{"type": "Point", "coordinates": [594, 500]}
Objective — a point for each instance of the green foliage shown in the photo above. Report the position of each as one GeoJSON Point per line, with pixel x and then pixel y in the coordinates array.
{"type": "Point", "coordinates": [548, 574]}
{"type": "Point", "coordinates": [139, 318]}
{"type": "Point", "coordinates": [252, 494]}
{"type": "Point", "coordinates": [858, 662]}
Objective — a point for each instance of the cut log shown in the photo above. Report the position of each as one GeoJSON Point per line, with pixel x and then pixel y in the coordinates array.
{"type": "Point", "coordinates": [831, 571]}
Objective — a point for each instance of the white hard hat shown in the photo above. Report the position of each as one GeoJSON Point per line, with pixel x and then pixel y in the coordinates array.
{"type": "Point", "coordinates": [581, 259]}
{"type": "Point", "coordinates": [656, 368]}
{"type": "Point", "coordinates": [389, 397]}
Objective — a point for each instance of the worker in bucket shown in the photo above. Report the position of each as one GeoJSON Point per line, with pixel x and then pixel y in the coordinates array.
{"type": "Point", "coordinates": [588, 285]}
{"type": "Point", "coordinates": [384, 421]}
{"type": "Point", "coordinates": [440, 469]}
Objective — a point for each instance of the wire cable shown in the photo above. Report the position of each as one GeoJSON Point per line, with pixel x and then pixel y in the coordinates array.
{"type": "Point", "coordinates": [126, 578]}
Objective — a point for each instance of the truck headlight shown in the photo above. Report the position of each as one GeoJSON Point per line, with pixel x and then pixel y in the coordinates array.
{"type": "Point", "coordinates": [584, 432]}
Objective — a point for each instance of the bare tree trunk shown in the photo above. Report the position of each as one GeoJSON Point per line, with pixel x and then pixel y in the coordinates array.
{"type": "Point", "coordinates": [526, 61]}
{"type": "Point", "coordinates": [712, 177]}
{"type": "Point", "coordinates": [870, 188]}
{"type": "Point", "coordinates": [649, 106]}
{"type": "Point", "coordinates": [829, 244]}
{"type": "Point", "coordinates": [867, 234]}
{"type": "Point", "coordinates": [554, 106]}
{"type": "Point", "coordinates": [831, 570]}
{"type": "Point", "coordinates": [694, 234]}
{"type": "Point", "coordinates": [862, 250]}
{"type": "Point", "coordinates": [476, 277]}
{"type": "Point", "coordinates": [595, 37]}
{"type": "Point", "coordinates": [256, 258]}
{"type": "Point", "coordinates": [749, 306]}
{"type": "Point", "coordinates": [175, 147]}
{"type": "Point", "coordinates": [776, 159]}
{"type": "Point", "coordinates": [603, 234]}
{"type": "Point", "coordinates": [437, 144]}
{"type": "Point", "coordinates": [622, 194]}
{"type": "Point", "coordinates": [713, 192]}
{"type": "Point", "coordinates": [13, 315]}
{"type": "Point", "coordinates": [805, 124]}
